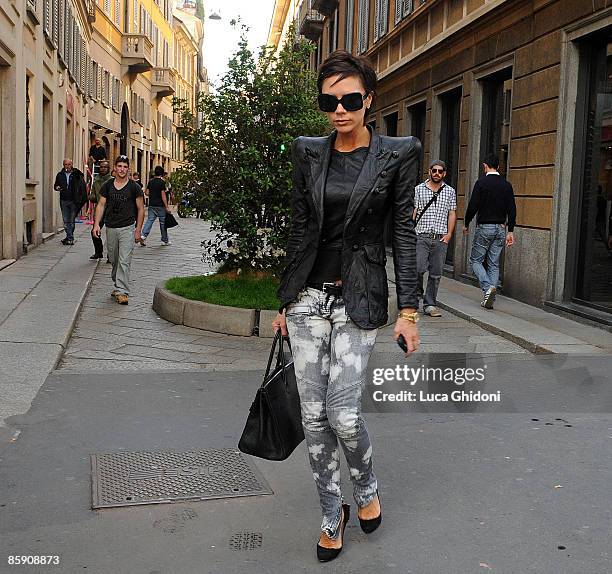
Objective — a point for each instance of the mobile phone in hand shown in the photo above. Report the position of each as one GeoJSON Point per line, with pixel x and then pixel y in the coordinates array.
{"type": "Point", "coordinates": [402, 343]}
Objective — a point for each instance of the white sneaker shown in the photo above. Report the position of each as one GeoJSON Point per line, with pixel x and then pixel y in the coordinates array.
{"type": "Point", "coordinates": [166, 242]}
{"type": "Point", "coordinates": [489, 298]}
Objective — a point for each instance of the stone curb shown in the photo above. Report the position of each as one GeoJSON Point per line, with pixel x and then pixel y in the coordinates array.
{"type": "Point", "coordinates": [222, 319]}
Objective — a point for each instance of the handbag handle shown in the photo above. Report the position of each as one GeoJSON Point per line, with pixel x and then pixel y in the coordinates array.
{"type": "Point", "coordinates": [280, 358]}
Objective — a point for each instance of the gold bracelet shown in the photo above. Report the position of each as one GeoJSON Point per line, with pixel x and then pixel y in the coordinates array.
{"type": "Point", "coordinates": [412, 317]}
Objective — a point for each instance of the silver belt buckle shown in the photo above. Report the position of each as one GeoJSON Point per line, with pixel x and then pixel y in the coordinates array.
{"type": "Point", "coordinates": [326, 284]}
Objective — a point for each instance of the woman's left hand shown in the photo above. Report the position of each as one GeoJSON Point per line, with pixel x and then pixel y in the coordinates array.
{"type": "Point", "coordinates": [410, 331]}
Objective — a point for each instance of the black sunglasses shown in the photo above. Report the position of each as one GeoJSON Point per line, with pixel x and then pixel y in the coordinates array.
{"type": "Point", "coordinates": [350, 102]}
{"type": "Point", "coordinates": [437, 170]}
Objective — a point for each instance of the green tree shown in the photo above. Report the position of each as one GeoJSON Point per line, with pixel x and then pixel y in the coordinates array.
{"type": "Point", "coordinates": [238, 155]}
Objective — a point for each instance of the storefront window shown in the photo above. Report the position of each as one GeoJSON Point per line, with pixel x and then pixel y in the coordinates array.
{"type": "Point", "coordinates": [594, 277]}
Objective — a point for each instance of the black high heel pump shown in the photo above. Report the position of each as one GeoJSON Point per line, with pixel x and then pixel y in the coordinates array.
{"type": "Point", "coordinates": [371, 524]}
{"type": "Point", "coordinates": [327, 554]}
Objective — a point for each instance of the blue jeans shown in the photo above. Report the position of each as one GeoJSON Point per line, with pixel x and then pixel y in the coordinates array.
{"type": "Point", "coordinates": [69, 213]}
{"type": "Point", "coordinates": [160, 213]}
{"type": "Point", "coordinates": [330, 355]}
{"type": "Point", "coordinates": [489, 241]}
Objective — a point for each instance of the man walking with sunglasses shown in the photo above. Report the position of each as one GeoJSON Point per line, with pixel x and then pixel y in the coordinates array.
{"type": "Point", "coordinates": [122, 205]}
{"type": "Point", "coordinates": [435, 214]}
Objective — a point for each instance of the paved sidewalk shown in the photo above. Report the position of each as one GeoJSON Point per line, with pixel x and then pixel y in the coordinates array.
{"type": "Point", "coordinates": [111, 337]}
{"type": "Point", "coordinates": [530, 327]}
{"type": "Point", "coordinates": [40, 297]}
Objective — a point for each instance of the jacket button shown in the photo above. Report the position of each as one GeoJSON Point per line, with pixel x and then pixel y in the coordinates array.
{"type": "Point", "coordinates": [323, 240]}
{"type": "Point", "coordinates": [395, 154]}
{"type": "Point", "coordinates": [383, 173]}
{"type": "Point", "coordinates": [376, 191]}
{"type": "Point", "coordinates": [369, 211]}
{"type": "Point", "coordinates": [362, 229]}
{"type": "Point", "coordinates": [355, 247]}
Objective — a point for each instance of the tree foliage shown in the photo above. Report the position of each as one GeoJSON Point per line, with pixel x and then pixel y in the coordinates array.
{"type": "Point", "coordinates": [238, 155]}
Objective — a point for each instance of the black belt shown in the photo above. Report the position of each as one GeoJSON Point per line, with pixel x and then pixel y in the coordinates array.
{"type": "Point", "coordinates": [432, 235]}
{"type": "Point", "coordinates": [330, 288]}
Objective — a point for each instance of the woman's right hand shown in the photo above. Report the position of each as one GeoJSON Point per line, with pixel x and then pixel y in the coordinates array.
{"type": "Point", "coordinates": [280, 323]}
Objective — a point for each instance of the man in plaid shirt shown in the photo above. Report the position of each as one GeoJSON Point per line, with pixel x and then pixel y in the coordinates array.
{"type": "Point", "coordinates": [435, 226]}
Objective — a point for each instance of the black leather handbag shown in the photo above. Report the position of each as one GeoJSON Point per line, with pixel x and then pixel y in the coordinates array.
{"type": "Point", "coordinates": [170, 221]}
{"type": "Point", "coordinates": [274, 426]}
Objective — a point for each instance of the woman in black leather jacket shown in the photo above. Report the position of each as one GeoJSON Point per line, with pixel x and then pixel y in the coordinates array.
{"type": "Point", "coordinates": [334, 290]}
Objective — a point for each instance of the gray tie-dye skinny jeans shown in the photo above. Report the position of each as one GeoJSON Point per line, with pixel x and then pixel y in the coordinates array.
{"type": "Point", "coordinates": [330, 355]}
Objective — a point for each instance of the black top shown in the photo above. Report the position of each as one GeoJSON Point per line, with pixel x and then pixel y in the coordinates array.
{"type": "Point", "coordinates": [120, 209]}
{"type": "Point", "coordinates": [344, 169]}
{"type": "Point", "coordinates": [98, 153]}
{"type": "Point", "coordinates": [156, 187]}
{"type": "Point", "coordinates": [493, 200]}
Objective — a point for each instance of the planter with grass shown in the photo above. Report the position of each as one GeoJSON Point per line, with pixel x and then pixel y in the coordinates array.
{"type": "Point", "coordinates": [225, 303]}
{"type": "Point", "coordinates": [235, 304]}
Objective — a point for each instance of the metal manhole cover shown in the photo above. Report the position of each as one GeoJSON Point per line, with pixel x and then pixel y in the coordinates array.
{"type": "Point", "coordinates": [246, 541]}
{"type": "Point", "coordinates": [130, 478]}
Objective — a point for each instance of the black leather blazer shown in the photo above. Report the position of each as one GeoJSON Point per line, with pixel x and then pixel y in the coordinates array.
{"type": "Point", "coordinates": [386, 183]}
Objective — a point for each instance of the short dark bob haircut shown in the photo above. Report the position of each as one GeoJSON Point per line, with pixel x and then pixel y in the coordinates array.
{"type": "Point", "coordinates": [344, 64]}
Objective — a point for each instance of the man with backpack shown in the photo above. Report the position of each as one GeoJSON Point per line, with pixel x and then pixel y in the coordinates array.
{"type": "Point", "coordinates": [435, 214]}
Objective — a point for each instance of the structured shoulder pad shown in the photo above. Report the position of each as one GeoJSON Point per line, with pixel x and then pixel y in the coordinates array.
{"type": "Point", "coordinates": [403, 145]}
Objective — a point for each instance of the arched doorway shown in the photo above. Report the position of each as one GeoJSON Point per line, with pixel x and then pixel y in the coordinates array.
{"type": "Point", "coordinates": [125, 129]}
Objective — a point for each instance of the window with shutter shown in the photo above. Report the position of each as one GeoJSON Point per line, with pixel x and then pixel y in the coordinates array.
{"type": "Point", "coordinates": [364, 21]}
{"type": "Point", "coordinates": [117, 12]}
{"type": "Point", "coordinates": [65, 22]}
{"type": "Point", "coordinates": [77, 57]}
{"type": "Point", "coordinates": [94, 79]}
{"type": "Point", "coordinates": [87, 76]}
{"type": "Point", "coordinates": [135, 16]}
{"type": "Point", "coordinates": [60, 28]}
{"type": "Point", "coordinates": [47, 18]}
{"type": "Point", "coordinates": [68, 49]}
{"type": "Point", "coordinates": [381, 19]}
{"type": "Point", "coordinates": [84, 65]}
{"type": "Point", "coordinates": [348, 35]}
{"type": "Point", "coordinates": [107, 6]}
{"type": "Point", "coordinates": [55, 24]}
{"type": "Point", "coordinates": [402, 9]}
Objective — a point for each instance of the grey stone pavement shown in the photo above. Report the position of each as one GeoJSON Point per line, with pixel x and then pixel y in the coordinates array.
{"type": "Point", "coordinates": [110, 337]}
{"type": "Point", "coordinates": [521, 491]}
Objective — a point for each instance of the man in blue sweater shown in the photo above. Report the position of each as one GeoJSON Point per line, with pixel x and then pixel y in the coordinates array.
{"type": "Point", "coordinates": [492, 202]}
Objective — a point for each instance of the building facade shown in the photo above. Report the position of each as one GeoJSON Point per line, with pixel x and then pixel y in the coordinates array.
{"type": "Point", "coordinates": [134, 81]}
{"type": "Point", "coordinates": [527, 79]}
{"type": "Point", "coordinates": [74, 70]}
{"type": "Point", "coordinates": [192, 78]}
{"type": "Point", "coordinates": [44, 78]}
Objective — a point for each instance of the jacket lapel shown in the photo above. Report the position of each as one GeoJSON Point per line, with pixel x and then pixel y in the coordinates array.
{"type": "Point", "coordinates": [319, 166]}
{"type": "Point", "coordinates": [374, 163]}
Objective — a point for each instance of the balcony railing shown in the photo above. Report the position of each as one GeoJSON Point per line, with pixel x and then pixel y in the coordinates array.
{"type": "Point", "coordinates": [325, 7]}
{"type": "Point", "coordinates": [163, 82]}
{"type": "Point", "coordinates": [137, 52]}
{"type": "Point", "coordinates": [311, 22]}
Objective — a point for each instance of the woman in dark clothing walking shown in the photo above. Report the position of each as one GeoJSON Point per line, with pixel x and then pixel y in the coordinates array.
{"type": "Point", "coordinates": [334, 291]}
